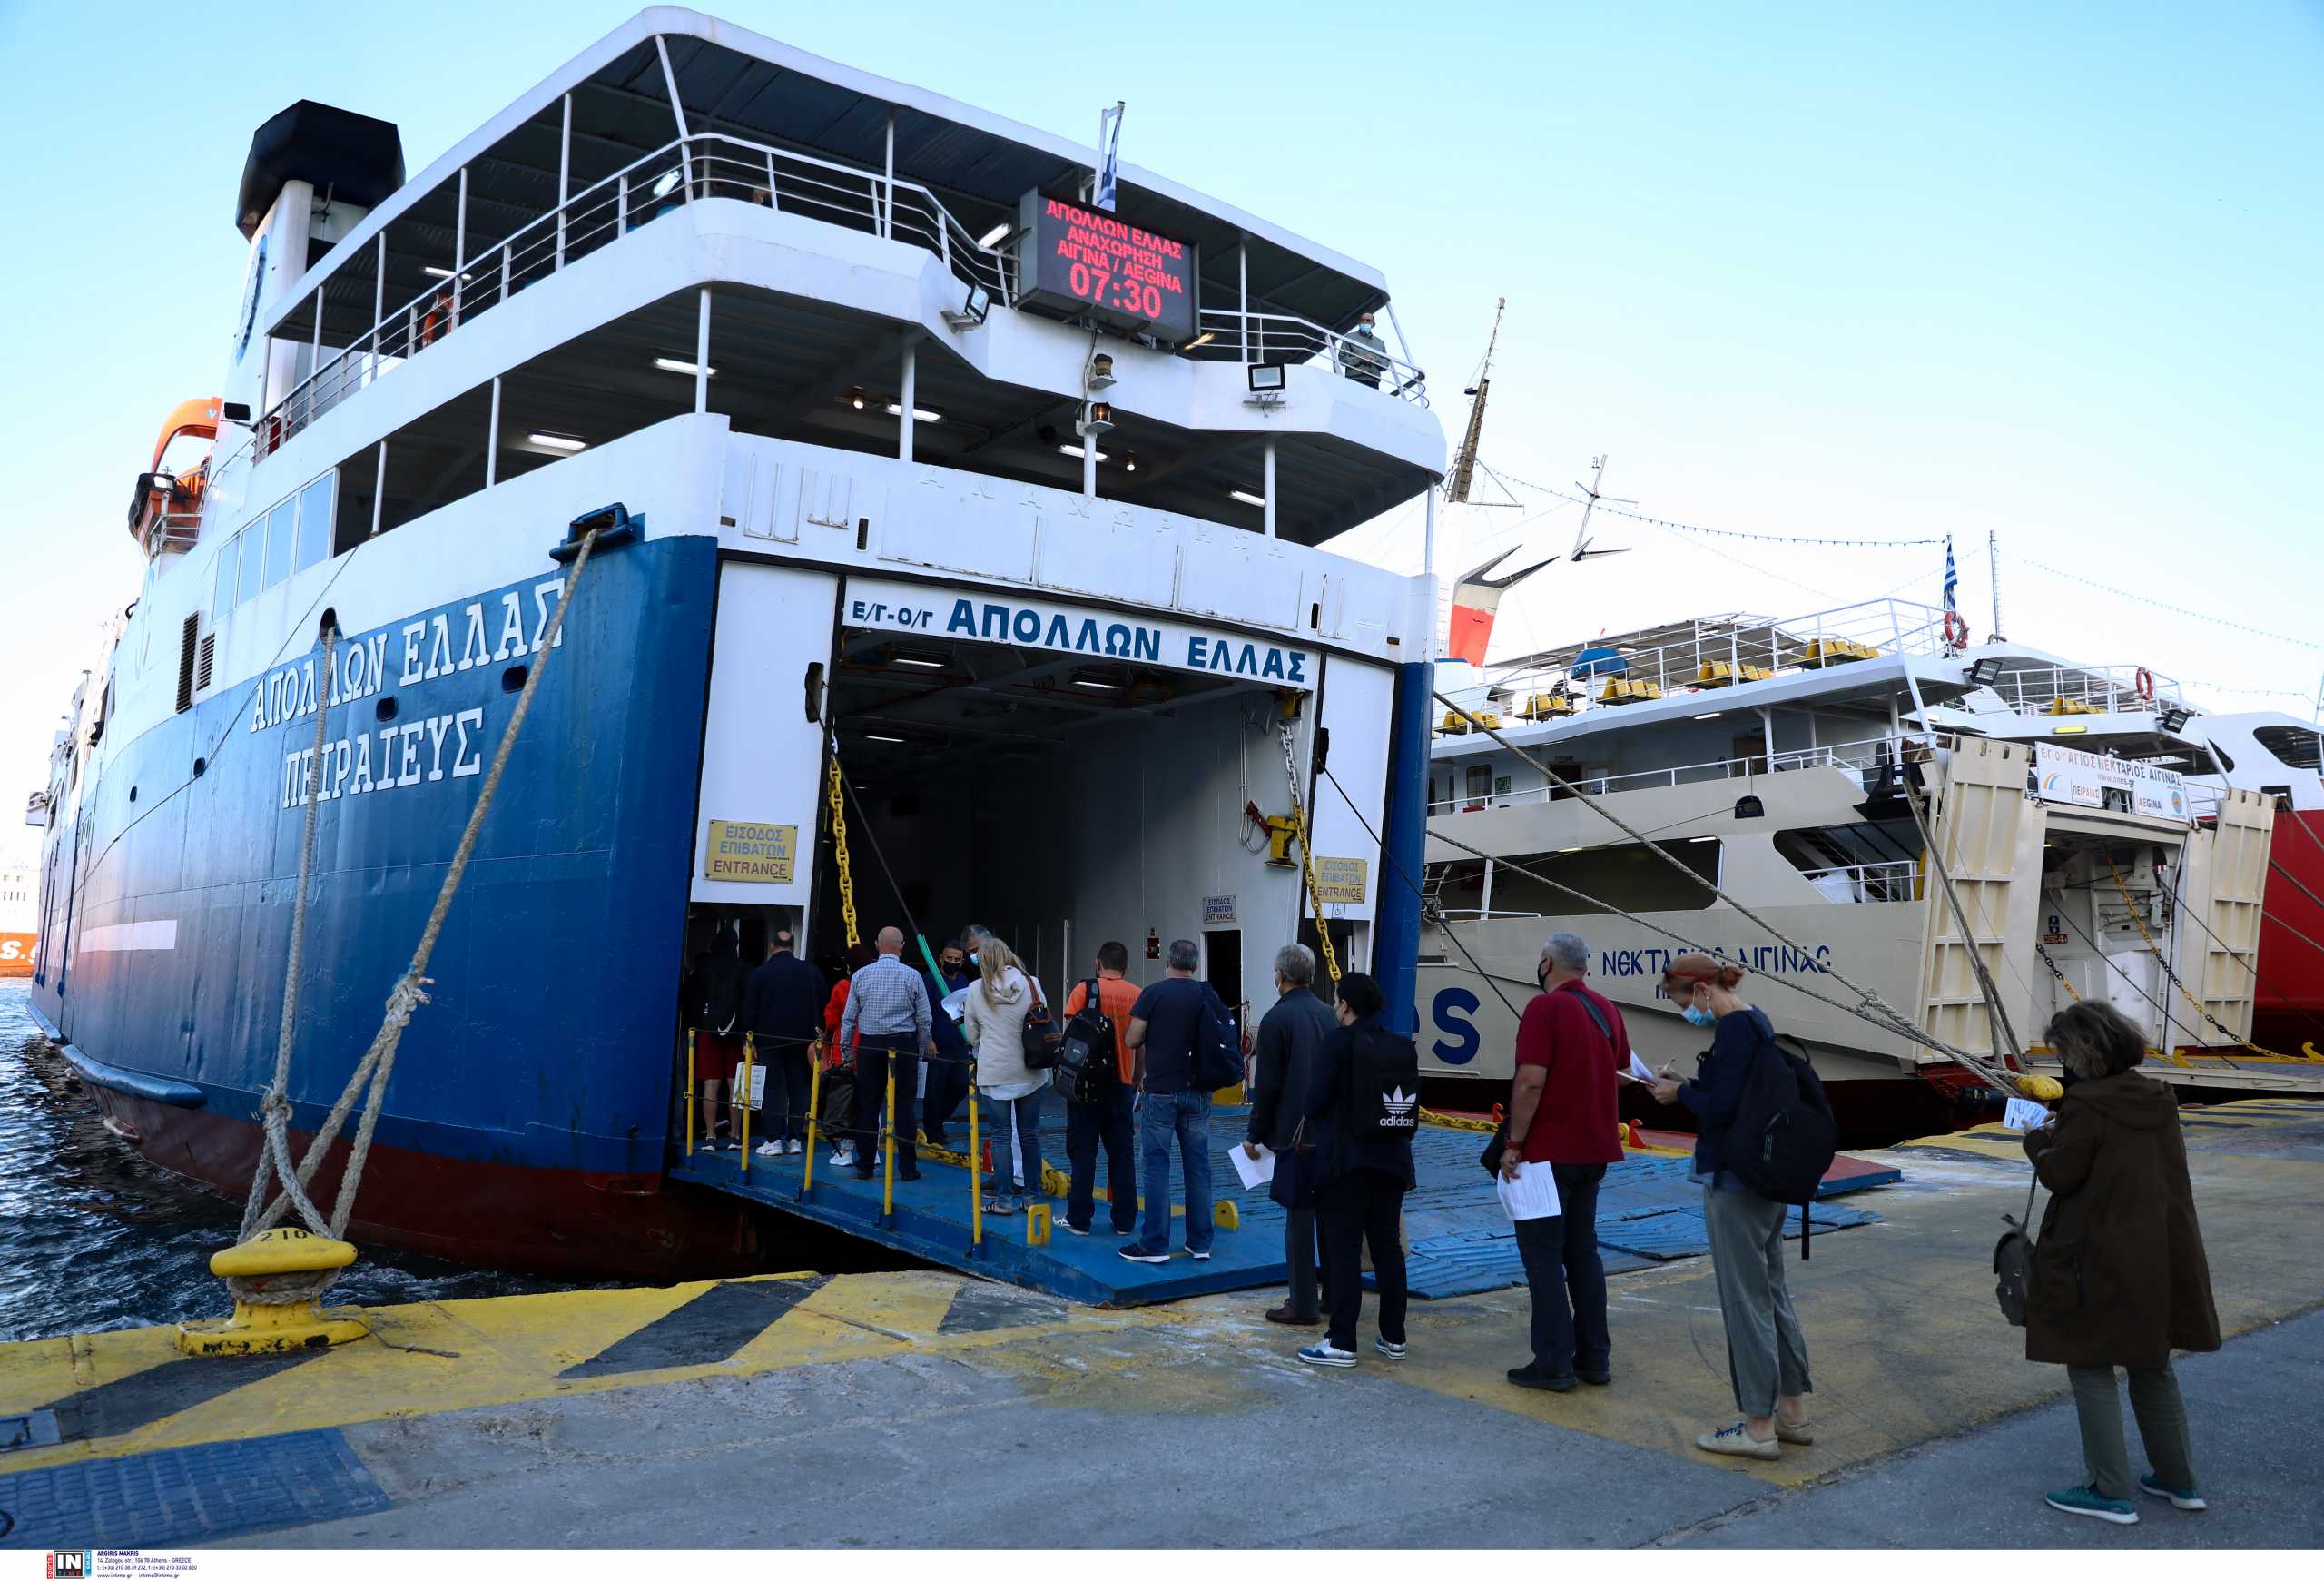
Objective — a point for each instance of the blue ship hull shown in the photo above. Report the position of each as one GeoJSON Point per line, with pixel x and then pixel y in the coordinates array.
{"type": "Point", "coordinates": [530, 1116]}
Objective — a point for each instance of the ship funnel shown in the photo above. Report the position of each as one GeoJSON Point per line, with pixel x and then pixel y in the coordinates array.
{"type": "Point", "coordinates": [357, 159]}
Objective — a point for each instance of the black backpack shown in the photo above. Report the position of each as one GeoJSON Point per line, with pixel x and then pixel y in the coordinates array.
{"type": "Point", "coordinates": [1087, 1056]}
{"type": "Point", "coordinates": [1384, 1086]}
{"type": "Point", "coordinates": [1783, 1137]}
{"type": "Point", "coordinates": [1218, 1050]}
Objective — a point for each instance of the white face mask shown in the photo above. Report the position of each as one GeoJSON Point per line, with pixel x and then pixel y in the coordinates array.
{"type": "Point", "coordinates": [973, 957]}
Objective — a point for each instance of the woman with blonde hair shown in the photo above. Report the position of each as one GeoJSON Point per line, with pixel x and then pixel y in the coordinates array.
{"type": "Point", "coordinates": [995, 1012]}
{"type": "Point", "coordinates": [2119, 1274]}
{"type": "Point", "coordinates": [1767, 1355]}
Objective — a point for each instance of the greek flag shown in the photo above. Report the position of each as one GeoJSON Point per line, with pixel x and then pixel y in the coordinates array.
{"type": "Point", "coordinates": [1951, 577]}
{"type": "Point", "coordinates": [1109, 150]}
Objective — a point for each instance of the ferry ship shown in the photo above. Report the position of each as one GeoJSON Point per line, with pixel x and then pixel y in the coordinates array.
{"type": "Point", "coordinates": [1771, 758]}
{"type": "Point", "coordinates": [912, 439]}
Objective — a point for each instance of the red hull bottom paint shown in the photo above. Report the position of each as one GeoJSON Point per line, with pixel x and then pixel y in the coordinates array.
{"type": "Point", "coordinates": [562, 1223]}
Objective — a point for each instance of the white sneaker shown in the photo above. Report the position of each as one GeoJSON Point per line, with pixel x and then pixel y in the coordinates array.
{"type": "Point", "coordinates": [768, 1150]}
{"type": "Point", "coordinates": [844, 1158]}
{"type": "Point", "coordinates": [793, 1147]}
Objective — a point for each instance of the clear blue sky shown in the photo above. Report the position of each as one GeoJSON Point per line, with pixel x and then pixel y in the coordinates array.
{"type": "Point", "coordinates": [2049, 270]}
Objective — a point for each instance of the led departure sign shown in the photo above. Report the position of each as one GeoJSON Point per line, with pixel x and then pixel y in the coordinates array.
{"type": "Point", "coordinates": [1083, 261]}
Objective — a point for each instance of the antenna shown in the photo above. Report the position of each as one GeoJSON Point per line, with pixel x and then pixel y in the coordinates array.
{"type": "Point", "coordinates": [1581, 549]}
{"type": "Point", "coordinates": [1464, 462]}
{"type": "Point", "coordinates": [1992, 559]}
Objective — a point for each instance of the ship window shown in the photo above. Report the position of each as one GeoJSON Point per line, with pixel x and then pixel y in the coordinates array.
{"type": "Point", "coordinates": [252, 539]}
{"type": "Point", "coordinates": [229, 566]}
{"type": "Point", "coordinates": [282, 525]}
{"type": "Point", "coordinates": [315, 512]}
{"type": "Point", "coordinates": [2297, 747]}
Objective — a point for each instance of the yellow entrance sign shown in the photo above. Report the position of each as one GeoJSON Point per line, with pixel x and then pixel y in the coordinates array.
{"type": "Point", "coordinates": [1340, 880]}
{"type": "Point", "coordinates": [749, 852]}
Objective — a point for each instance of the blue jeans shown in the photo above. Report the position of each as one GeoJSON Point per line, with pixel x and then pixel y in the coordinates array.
{"type": "Point", "coordinates": [1023, 1117]}
{"type": "Point", "coordinates": [1187, 1116]}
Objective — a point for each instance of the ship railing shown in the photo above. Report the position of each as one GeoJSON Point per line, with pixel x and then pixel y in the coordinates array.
{"type": "Point", "coordinates": [1870, 761]}
{"type": "Point", "coordinates": [1866, 882]}
{"type": "Point", "coordinates": [1724, 656]}
{"type": "Point", "coordinates": [703, 166]}
{"type": "Point", "coordinates": [2043, 690]}
{"type": "Point", "coordinates": [1230, 334]}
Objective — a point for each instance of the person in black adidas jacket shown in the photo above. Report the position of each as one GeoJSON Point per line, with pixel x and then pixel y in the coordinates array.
{"type": "Point", "coordinates": [1360, 1186]}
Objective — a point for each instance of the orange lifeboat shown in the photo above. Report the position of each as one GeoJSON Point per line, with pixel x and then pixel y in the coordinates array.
{"type": "Point", "coordinates": [164, 511]}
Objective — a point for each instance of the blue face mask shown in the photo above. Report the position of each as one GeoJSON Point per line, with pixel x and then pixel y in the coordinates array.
{"type": "Point", "coordinates": [973, 957]}
{"type": "Point", "coordinates": [1696, 1016]}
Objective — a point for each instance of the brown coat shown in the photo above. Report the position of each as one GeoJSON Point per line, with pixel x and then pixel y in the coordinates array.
{"type": "Point", "coordinates": [2119, 1275]}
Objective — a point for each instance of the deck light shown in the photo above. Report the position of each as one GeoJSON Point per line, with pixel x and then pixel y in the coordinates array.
{"type": "Point", "coordinates": [1131, 465]}
{"type": "Point", "coordinates": [433, 273]}
{"type": "Point", "coordinates": [559, 442]}
{"type": "Point", "coordinates": [680, 365]}
{"type": "Point", "coordinates": [1985, 672]}
{"type": "Point", "coordinates": [996, 233]}
{"type": "Point", "coordinates": [1075, 451]}
{"type": "Point", "coordinates": [1205, 338]}
{"type": "Point", "coordinates": [1267, 378]}
{"type": "Point", "coordinates": [1098, 418]}
{"type": "Point", "coordinates": [856, 400]}
{"type": "Point", "coordinates": [919, 661]}
{"type": "Point", "coordinates": [1096, 681]}
{"type": "Point", "coordinates": [1749, 807]}
{"type": "Point", "coordinates": [668, 184]}
{"type": "Point", "coordinates": [1712, 715]}
{"type": "Point", "coordinates": [890, 740]}
{"type": "Point", "coordinates": [1568, 849]}
{"type": "Point", "coordinates": [2175, 719]}
{"type": "Point", "coordinates": [972, 310]}
{"type": "Point", "coordinates": [1703, 839]}
{"type": "Point", "coordinates": [896, 409]}
{"type": "Point", "coordinates": [1246, 497]}
{"type": "Point", "coordinates": [2068, 729]}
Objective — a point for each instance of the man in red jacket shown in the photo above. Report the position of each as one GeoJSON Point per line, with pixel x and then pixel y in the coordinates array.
{"type": "Point", "coordinates": [1562, 1114]}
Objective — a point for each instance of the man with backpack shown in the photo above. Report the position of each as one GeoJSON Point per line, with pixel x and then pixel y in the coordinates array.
{"type": "Point", "coordinates": [1361, 1103]}
{"type": "Point", "coordinates": [1290, 1037]}
{"type": "Point", "coordinates": [1099, 1072]}
{"type": "Point", "coordinates": [1562, 1116]}
{"type": "Point", "coordinates": [1175, 1030]}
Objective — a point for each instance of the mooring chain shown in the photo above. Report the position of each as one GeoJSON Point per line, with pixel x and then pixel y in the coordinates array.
{"type": "Point", "coordinates": [1307, 852]}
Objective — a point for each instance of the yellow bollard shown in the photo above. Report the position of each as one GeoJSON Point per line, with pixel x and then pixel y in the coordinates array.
{"type": "Point", "coordinates": [888, 1146]}
{"type": "Point", "coordinates": [742, 1100]}
{"type": "Point", "coordinates": [259, 1329]}
{"type": "Point", "coordinates": [814, 1111]}
{"type": "Point", "coordinates": [1226, 1214]}
{"type": "Point", "coordinates": [1037, 1224]}
{"type": "Point", "coordinates": [975, 1169]}
{"type": "Point", "coordinates": [694, 1036]}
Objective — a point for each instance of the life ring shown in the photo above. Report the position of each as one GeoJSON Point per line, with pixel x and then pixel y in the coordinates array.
{"type": "Point", "coordinates": [1956, 631]}
{"type": "Point", "coordinates": [2144, 682]}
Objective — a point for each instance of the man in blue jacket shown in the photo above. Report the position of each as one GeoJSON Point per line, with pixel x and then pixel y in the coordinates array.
{"type": "Point", "coordinates": [782, 1010]}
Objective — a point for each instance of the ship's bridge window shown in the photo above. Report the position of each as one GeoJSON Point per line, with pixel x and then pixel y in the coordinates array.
{"type": "Point", "coordinates": [2297, 747]}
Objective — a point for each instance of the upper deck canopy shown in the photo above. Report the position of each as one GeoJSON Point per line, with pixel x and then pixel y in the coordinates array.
{"type": "Point", "coordinates": [731, 79]}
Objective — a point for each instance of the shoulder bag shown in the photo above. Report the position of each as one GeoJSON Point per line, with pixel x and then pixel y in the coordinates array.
{"type": "Point", "coordinates": [1039, 1034]}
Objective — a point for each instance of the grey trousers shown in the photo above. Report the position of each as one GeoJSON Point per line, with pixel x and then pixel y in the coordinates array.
{"type": "Point", "coordinates": [2162, 1426]}
{"type": "Point", "coordinates": [1299, 1252]}
{"type": "Point", "coordinates": [1765, 1353]}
